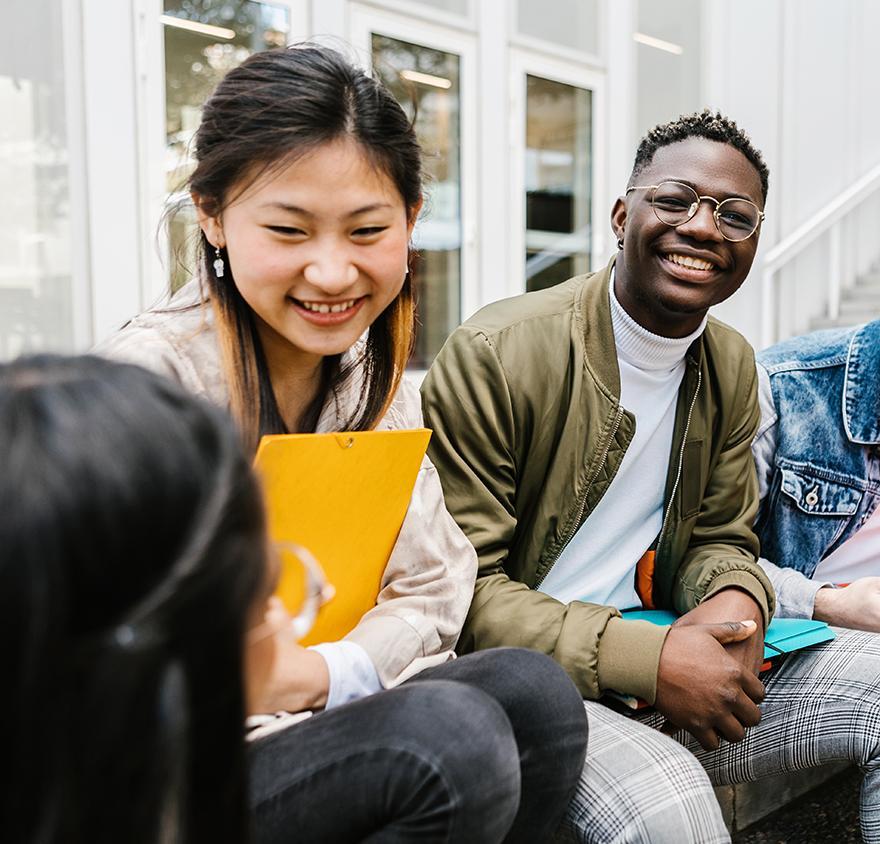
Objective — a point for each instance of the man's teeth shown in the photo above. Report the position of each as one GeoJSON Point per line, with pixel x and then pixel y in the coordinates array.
{"type": "Point", "coordinates": [691, 263]}
{"type": "Point", "coordinates": [324, 308]}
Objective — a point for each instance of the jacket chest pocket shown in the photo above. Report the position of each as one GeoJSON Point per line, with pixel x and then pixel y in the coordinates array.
{"type": "Point", "coordinates": [819, 497]}
{"type": "Point", "coordinates": [691, 481]}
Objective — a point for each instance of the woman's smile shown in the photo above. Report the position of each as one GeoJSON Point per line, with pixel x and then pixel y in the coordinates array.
{"type": "Point", "coordinates": [323, 313]}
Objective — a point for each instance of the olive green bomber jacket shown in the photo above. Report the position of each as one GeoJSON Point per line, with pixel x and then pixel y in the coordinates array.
{"type": "Point", "coordinates": [529, 433]}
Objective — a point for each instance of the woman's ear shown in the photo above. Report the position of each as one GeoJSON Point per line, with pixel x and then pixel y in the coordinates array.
{"type": "Point", "coordinates": [412, 216]}
{"type": "Point", "coordinates": [210, 224]}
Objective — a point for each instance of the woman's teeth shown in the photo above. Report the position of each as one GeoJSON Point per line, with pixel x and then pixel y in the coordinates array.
{"type": "Point", "coordinates": [689, 262]}
{"type": "Point", "coordinates": [324, 308]}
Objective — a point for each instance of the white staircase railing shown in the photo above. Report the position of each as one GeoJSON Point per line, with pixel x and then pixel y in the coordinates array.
{"type": "Point", "coordinates": [828, 220]}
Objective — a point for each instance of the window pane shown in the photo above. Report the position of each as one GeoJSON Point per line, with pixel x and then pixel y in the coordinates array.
{"type": "Point", "coordinates": [558, 181]}
{"type": "Point", "coordinates": [668, 60]}
{"type": "Point", "coordinates": [429, 81]}
{"type": "Point", "coordinates": [202, 42]}
{"type": "Point", "coordinates": [35, 265]}
{"type": "Point", "coordinates": [569, 23]}
{"type": "Point", "coordinates": [455, 7]}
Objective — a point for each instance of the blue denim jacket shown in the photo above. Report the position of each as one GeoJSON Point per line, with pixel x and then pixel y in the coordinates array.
{"type": "Point", "coordinates": [816, 450]}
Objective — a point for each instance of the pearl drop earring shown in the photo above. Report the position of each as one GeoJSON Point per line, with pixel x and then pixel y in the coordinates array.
{"type": "Point", "coordinates": [219, 266]}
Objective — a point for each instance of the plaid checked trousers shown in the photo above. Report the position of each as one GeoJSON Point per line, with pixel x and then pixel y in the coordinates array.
{"type": "Point", "coordinates": [822, 705]}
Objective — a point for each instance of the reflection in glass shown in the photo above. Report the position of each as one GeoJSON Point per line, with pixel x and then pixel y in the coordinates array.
{"type": "Point", "coordinates": [203, 41]}
{"type": "Point", "coordinates": [36, 309]}
{"type": "Point", "coordinates": [427, 82]}
{"type": "Point", "coordinates": [558, 181]}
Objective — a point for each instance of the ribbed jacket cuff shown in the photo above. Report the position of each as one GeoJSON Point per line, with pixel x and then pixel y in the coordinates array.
{"type": "Point", "coordinates": [741, 580]}
{"type": "Point", "coordinates": [629, 657]}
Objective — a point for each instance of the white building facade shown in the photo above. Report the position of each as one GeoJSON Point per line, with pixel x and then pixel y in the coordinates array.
{"type": "Point", "coordinates": [529, 112]}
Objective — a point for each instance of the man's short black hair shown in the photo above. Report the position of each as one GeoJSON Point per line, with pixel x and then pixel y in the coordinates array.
{"type": "Point", "coordinates": [705, 124]}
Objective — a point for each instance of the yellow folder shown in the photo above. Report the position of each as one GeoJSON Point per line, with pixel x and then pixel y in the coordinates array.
{"type": "Point", "coordinates": [344, 497]}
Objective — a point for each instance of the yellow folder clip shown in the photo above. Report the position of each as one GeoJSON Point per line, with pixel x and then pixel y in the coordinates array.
{"type": "Point", "coordinates": [343, 496]}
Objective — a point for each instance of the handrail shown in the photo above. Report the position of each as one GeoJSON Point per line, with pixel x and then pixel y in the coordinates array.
{"type": "Point", "coordinates": [807, 232]}
{"type": "Point", "coordinates": [789, 247]}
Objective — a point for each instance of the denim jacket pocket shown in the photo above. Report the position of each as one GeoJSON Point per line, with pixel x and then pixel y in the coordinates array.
{"type": "Point", "coordinates": [818, 496]}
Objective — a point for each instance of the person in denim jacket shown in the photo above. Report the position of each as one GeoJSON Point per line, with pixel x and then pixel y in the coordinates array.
{"type": "Point", "coordinates": [817, 453]}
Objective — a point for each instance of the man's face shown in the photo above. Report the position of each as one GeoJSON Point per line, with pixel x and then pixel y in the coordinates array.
{"type": "Point", "coordinates": [652, 282]}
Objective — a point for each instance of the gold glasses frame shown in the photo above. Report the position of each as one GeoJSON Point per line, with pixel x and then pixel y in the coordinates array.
{"type": "Point", "coordinates": [695, 205]}
{"type": "Point", "coordinates": [317, 592]}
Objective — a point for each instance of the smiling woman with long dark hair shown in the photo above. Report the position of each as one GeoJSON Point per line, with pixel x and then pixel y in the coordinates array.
{"type": "Point", "coordinates": [300, 319]}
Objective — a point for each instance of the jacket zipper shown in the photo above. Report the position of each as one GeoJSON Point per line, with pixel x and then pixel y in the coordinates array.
{"type": "Point", "coordinates": [687, 428]}
{"type": "Point", "coordinates": [583, 502]}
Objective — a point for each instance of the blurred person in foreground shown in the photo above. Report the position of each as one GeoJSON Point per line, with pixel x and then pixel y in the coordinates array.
{"type": "Point", "coordinates": [135, 582]}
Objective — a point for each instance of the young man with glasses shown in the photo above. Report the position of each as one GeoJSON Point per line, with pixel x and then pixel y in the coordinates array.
{"type": "Point", "coordinates": [593, 441]}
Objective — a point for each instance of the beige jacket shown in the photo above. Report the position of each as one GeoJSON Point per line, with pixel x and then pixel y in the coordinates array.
{"type": "Point", "coordinates": [429, 579]}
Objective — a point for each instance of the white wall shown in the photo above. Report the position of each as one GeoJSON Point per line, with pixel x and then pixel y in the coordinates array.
{"type": "Point", "coordinates": [803, 78]}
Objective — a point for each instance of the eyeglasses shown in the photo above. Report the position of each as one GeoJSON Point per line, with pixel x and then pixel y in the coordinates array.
{"type": "Point", "coordinates": [301, 591]}
{"type": "Point", "coordinates": [675, 203]}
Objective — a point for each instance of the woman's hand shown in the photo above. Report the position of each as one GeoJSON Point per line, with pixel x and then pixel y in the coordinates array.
{"type": "Point", "coordinates": [299, 678]}
{"type": "Point", "coordinates": [856, 606]}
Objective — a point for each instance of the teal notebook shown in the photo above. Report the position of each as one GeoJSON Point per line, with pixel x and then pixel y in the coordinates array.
{"type": "Point", "coordinates": [783, 636]}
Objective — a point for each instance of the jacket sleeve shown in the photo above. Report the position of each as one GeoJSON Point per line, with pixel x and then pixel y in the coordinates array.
{"type": "Point", "coordinates": [149, 348]}
{"type": "Point", "coordinates": [429, 578]}
{"type": "Point", "coordinates": [468, 404]}
{"type": "Point", "coordinates": [764, 444]}
{"type": "Point", "coordinates": [795, 593]}
{"type": "Point", "coordinates": [723, 547]}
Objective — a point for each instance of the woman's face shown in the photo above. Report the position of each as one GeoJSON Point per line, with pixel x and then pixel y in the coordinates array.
{"type": "Point", "coordinates": [318, 249]}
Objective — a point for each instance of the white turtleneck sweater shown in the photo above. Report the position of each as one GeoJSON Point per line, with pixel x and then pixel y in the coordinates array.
{"type": "Point", "coordinates": [598, 565]}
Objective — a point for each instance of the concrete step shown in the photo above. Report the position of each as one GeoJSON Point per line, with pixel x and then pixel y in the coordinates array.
{"type": "Point", "coordinates": [861, 294]}
{"type": "Point", "coordinates": [746, 803]}
{"type": "Point", "coordinates": [822, 323]}
{"type": "Point", "coordinates": [858, 304]}
{"type": "Point", "coordinates": [859, 310]}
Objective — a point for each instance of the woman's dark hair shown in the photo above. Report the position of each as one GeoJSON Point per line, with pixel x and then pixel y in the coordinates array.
{"type": "Point", "coordinates": [132, 548]}
{"type": "Point", "coordinates": [275, 107]}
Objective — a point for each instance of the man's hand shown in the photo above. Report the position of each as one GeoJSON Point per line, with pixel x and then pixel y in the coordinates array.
{"type": "Point", "coordinates": [704, 689]}
{"type": "Point", "coordinates": [724, 606]}
{"type": "Point", "coordinates": [856, 605]}
{"type": "Point", "coordinates": [299, 680]}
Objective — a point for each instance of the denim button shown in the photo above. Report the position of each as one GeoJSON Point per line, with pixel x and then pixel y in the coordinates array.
{"type": "Point", "coordinates": [812, 497]}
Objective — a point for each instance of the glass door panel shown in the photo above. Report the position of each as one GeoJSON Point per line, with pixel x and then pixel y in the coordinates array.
{"type": "Point", "coordinates": [203, 41]}
{"type": "Point", "coordinates": [427, 83]}
{"type": "Point", "coordinates": [36, 284]}
{"type": "Point", "coordinates": [558, 181]}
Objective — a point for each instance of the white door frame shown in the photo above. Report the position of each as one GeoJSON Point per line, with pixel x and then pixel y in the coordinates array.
{"type": "Point", "coordinates": [150, 89]}
{"type": "Point", "coordinates": [365, 21]}
{"type": "Point", "coordinates": [577, 74]}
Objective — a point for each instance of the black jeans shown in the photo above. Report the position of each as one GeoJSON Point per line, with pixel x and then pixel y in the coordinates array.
{"type": "Point", "coordinates": [486, 748]}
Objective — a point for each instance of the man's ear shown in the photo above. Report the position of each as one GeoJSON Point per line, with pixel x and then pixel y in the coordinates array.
{"type": "Point", "coordinates": [210, 224]}
{"type": "Point", "coordinates": [618, 217]}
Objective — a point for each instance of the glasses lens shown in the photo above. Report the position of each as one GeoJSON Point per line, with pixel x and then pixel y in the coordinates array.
{"type": "Point", "coordinates": [674, 203]}
{"type": "Point", "coordinates": [302, 587]}
{"type": "Point", "coordinates": [737, 218]}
